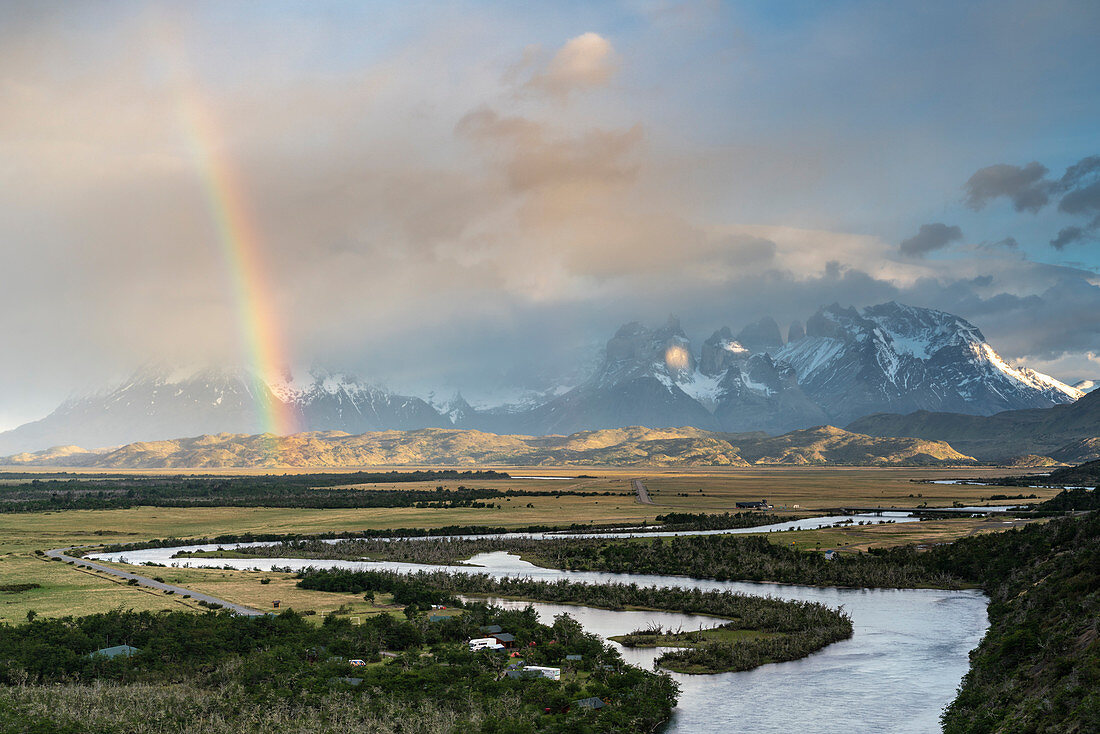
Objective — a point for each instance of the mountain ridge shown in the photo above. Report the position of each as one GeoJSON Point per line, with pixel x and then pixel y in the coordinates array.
{"type": "Point", "coordinates": [631, 446]}
{"type": "Point", "coordinates": [1064, 432]}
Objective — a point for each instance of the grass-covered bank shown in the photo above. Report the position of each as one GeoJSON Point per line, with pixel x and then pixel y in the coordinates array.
{"type": "Point", "coordinates": [729, 648]}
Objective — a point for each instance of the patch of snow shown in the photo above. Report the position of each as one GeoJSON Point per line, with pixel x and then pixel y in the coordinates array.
{"type": "Point", "coordinates": [810, 354]}
{"type": "Point", "coordinates": [733, 346]}
{"type": "Point", "coordinates": [704, 388]}
{"type": "Point", "coordinates": [757, 387]}
{"type": "Point", "coordinates": [914, 347]}
{"type": "Point", "coordinates": [1025, 375]}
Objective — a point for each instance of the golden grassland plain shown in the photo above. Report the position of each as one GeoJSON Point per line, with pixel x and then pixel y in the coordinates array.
{"type": "Point", "coordinates": [66, 590]}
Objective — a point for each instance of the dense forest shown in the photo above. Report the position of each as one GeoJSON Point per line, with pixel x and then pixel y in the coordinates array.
{"type": "Point", "coordinates": [1038, 668]}
{"type": "Point", "coordinates": [1072, 500]}
{"type": "Point", "coordinates": [1082, 475]}
{"type": "Point", "coordinates": [220, 673]}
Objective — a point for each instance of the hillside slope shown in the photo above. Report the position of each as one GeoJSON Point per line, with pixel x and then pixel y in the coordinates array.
{"type": "Point", "coordinates": [832, 445]}
{"type": "Point", "coordinates": [633, 446]}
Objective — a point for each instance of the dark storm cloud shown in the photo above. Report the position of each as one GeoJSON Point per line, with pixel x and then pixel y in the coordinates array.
{"type": "Point", "coordinates": [1027, 187]}
{"type": "Point", "coordinates": [931, 237]}
{"type": "Point", "coordinates": [1080, 173]}
{"type": "Point", "coordinates": [1068, 236]}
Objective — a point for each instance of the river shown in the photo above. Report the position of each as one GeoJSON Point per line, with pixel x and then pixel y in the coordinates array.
{"type": "Point", "coordinates": [903, 664]}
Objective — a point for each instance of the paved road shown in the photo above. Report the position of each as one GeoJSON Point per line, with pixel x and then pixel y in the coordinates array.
{"type": "Point", "coordinates": [640, 490]}
{"type": "Point", "coordinates": [150, 583]}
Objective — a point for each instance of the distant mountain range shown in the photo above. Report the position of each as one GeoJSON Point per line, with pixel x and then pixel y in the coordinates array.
{"type": "Point", "coordinates": [159, 404]}
{"type": "Point", "coordinates": [842, 365]}
{"type": "Point", "coordinates": [1068, 433]}
{"type": "Point", "coordinates": [454, 447]}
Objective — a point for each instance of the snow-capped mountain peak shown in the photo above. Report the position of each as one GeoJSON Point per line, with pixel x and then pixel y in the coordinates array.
{"type": "Point", "coordinates": [899, 358]}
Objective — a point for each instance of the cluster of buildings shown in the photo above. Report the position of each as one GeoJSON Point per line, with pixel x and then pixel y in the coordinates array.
{"type": "Point", "coordinates": [498, 640]}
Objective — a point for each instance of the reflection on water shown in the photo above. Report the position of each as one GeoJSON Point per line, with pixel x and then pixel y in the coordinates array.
{"type": "Point", "coordinates": [901, 667]}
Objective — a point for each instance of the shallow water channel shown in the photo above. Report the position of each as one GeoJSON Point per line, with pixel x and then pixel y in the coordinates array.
{"type": "Point", "coordinates": [897, 672]}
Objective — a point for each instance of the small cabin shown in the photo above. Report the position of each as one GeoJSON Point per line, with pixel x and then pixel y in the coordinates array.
{"type": "Point", "coordinates": [750, 505]}
{"type": "Point", "coordinates": [505, 639]}
{"type": "Point", "coordinates": [589, 703]}
{"type": "Point", "coordinates": [535, 671]}
{"type": "Point", "coordinates": [544, 672]}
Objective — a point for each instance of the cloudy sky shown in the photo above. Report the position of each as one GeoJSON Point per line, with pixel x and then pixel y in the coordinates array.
{"type": "Point", "coordinates": [454, 193]}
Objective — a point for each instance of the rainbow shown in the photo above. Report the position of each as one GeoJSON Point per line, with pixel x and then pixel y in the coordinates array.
{"type": "Point", "coordinates": [243, 256]}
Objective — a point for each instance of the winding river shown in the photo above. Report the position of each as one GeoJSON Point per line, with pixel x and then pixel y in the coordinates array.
{"type": "Point", "coordinates": [900, 668]}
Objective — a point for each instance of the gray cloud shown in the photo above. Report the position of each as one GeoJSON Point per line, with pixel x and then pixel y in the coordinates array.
{"type": "Point", "coordinates": [1027, 187]}
{"type": "Point", "coordinates": [930, 237]}
{"type": "Point", "coordinates": [1077, 191]}
{"type": "Point", "coordinates": [1068, 236]}
{"type": "Point", "coordinates": [1085, 200]}
{"type": "Point", "coordinates": [1079, 173]}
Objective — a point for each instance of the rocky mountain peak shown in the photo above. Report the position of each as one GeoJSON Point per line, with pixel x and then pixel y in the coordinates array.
{"type": "Point", "coordinates": [797, 331]}
{"type": "Point", "coordinates": [720, 351]}
{"type": "Point", "coordinates": [761, 336]}
{"type": "Point", "coordinates": [834, 322]}
{"type": "Point", "coordinates": [636, 349]}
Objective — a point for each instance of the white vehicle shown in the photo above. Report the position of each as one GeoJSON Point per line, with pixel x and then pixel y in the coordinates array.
{"type": "Point", "coordinates": [485, 643]}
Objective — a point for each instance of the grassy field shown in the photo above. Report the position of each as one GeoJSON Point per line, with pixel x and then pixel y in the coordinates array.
{"type": "Point", "coordinates": [66, 590]}
{"type": "Point", "coordinates": [691, 638]}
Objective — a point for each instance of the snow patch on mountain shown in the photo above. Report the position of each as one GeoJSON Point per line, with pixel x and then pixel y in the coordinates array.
{"type": "Point", "coordinates": [707, 389]}
{"type": "Point", "coordinates": [1025, 375]}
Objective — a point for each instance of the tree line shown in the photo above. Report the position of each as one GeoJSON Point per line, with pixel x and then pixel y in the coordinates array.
{"type": "Point", "coordinates": [314, 491]}
{"type": "Point", "coordinates": [720, 557]}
